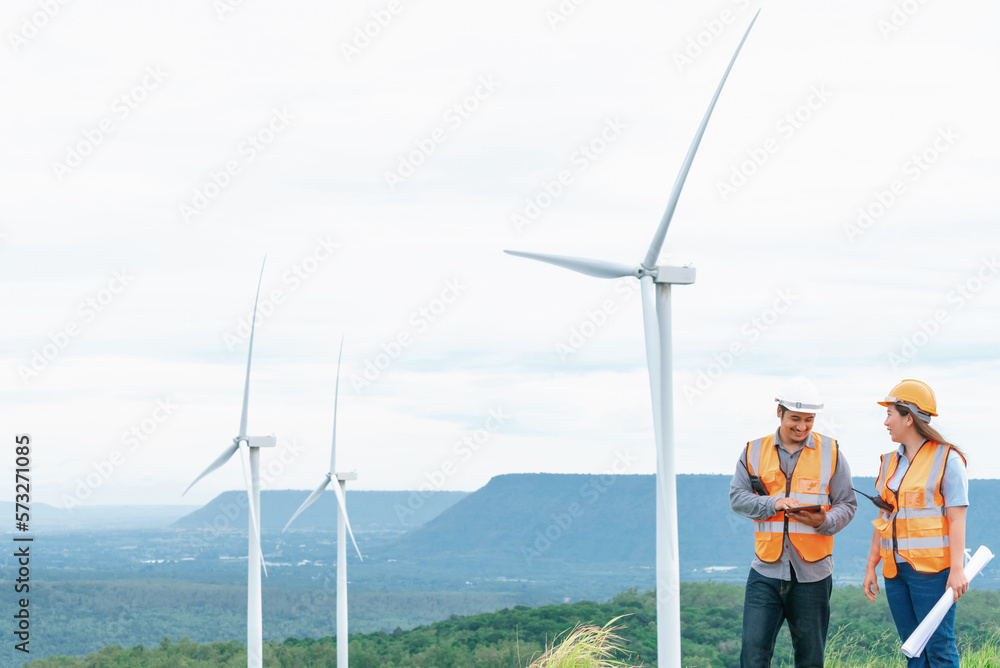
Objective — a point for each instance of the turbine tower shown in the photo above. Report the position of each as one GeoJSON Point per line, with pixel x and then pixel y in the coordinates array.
{"type": "Point", "coordinates": [255, 642]}
{"type": "Point", "coordinates": [655, 282]}
{"type": "Point", "coordinates": [343, 525]}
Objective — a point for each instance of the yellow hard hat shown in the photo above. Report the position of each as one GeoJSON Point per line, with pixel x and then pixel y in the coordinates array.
{"type": "Point", "coordinates": [915, 395]}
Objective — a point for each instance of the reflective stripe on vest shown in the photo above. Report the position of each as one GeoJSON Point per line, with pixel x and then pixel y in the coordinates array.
{"type": "Point", "coordinates": [917, 527]}
{"type": "Point", "coordinates": [913, 543]}
{"type": "Point", "coordinates": [810, 484]}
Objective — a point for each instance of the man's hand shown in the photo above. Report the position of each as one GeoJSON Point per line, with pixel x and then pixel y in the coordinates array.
{"type": "Point", "coordinates": [786, 502]}
{"type": "Point", "coordinates": [812, 518]}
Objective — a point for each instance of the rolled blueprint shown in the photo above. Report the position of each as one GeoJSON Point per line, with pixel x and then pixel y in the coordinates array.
{"type": "Point", "coordinates": [914, 645]}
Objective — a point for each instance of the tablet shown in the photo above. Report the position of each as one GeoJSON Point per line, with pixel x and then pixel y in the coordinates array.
{"type": "Point", "coordinates": [801, 509]}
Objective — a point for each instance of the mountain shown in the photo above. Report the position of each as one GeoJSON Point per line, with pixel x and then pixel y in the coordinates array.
{"type": "Point", "coordinates": [518, 519]}
{"type": "Point", "coordinates": [580, 535]}
{"type": "Point", "coordinates": [524, 523]}
{"type": "Point", "coordinates": [370, 511]}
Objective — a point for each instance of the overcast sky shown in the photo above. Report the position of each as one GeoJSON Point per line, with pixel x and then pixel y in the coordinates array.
{"type": "Point", "coordinates": [841, 214]}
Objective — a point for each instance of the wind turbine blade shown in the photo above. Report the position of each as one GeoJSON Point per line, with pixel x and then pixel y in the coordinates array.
{"type": "Point", "coordinates": [308, 502]}
{"type": "Point", "coordinates": [661, 232]}
{"type": "Point", "coordinates": [253, 509]}
{"type": "Point", "coordinates": [246, 384]}
{"type": "Point", "coordinates": [598, 268]}
{"type": "Point", "coordinates": [342, 502]}
{"type": "Point", "coordinates": [219, 461]}
{"type": "Point", "coordinates": [336, 393]}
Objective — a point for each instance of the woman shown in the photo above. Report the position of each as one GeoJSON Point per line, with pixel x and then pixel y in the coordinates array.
{"type": "Point", "coordinates": [921, 541]}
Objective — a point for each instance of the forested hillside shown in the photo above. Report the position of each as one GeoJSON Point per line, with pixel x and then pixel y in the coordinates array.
{"type": "Point", "coordinates": [711, 622]}
{"type": "Point", "coordinates": [77, 618]}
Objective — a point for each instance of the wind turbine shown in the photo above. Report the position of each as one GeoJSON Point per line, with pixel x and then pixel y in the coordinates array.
{"type": "Point", "coordinates": [255, 642]}
{"type": "Point", "coordinates": [343, 525]}
{"type": "Point", "coordinates": [655, 282]}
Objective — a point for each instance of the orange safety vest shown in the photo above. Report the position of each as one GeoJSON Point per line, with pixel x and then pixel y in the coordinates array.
{"type": "Point", "coordinates": [810, 484]}
{"type": "Point", "coordinates": [917, 527]}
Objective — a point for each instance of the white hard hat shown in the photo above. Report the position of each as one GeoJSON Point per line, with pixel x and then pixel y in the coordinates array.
{"type": "Point", "coordinates": [800, 395]}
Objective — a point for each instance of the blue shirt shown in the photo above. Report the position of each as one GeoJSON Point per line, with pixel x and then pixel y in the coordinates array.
{"type": "Point", "coordinates": [954, 483]}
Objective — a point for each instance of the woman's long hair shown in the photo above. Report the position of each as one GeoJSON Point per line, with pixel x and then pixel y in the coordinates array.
{"type": "Point", "coordinates": [926, 430]}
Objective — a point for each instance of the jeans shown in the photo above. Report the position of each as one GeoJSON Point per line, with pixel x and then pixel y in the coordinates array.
{"type": "Point", "coordinates": [768, 603]}
{"type": "Point", "coordinates": [911, 595]}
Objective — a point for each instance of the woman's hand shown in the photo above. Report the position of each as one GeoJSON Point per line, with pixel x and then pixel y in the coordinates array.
{"type": "Point", "coordinates": [958, 582]}
{"type": "Point", "coordinates": [871, 580]}
{"type": "Point", "coordinates": [874, 557]}
{"type": "Point", "coordinates": [956, 543]}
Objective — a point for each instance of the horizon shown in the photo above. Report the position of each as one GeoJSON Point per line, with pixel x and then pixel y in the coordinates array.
{"type": "Point", "coordinates": [413, 490]}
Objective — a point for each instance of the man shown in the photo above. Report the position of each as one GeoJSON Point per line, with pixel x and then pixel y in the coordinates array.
{"type": "Point", "coordinates": [792, 574]}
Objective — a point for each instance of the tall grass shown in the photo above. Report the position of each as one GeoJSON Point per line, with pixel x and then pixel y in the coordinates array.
{"type": "Point", "coordinates": [585, 646]}
{"type": "Point", "coordinates": [590, 646]}
{"type": "Point", "coordinates": [988, 654]}
{"type": "Point", "coordinates": [846, 650]}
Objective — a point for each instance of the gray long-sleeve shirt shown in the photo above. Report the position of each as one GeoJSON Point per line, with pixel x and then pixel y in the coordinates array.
{"type": "Point", "coordinates": [844, 503]}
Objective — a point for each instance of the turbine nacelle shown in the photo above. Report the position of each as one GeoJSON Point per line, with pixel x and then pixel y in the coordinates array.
{"type": "Point", "coordinates": [257, 441]}
{"type": "Point", "coordinates": [674, 275]}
